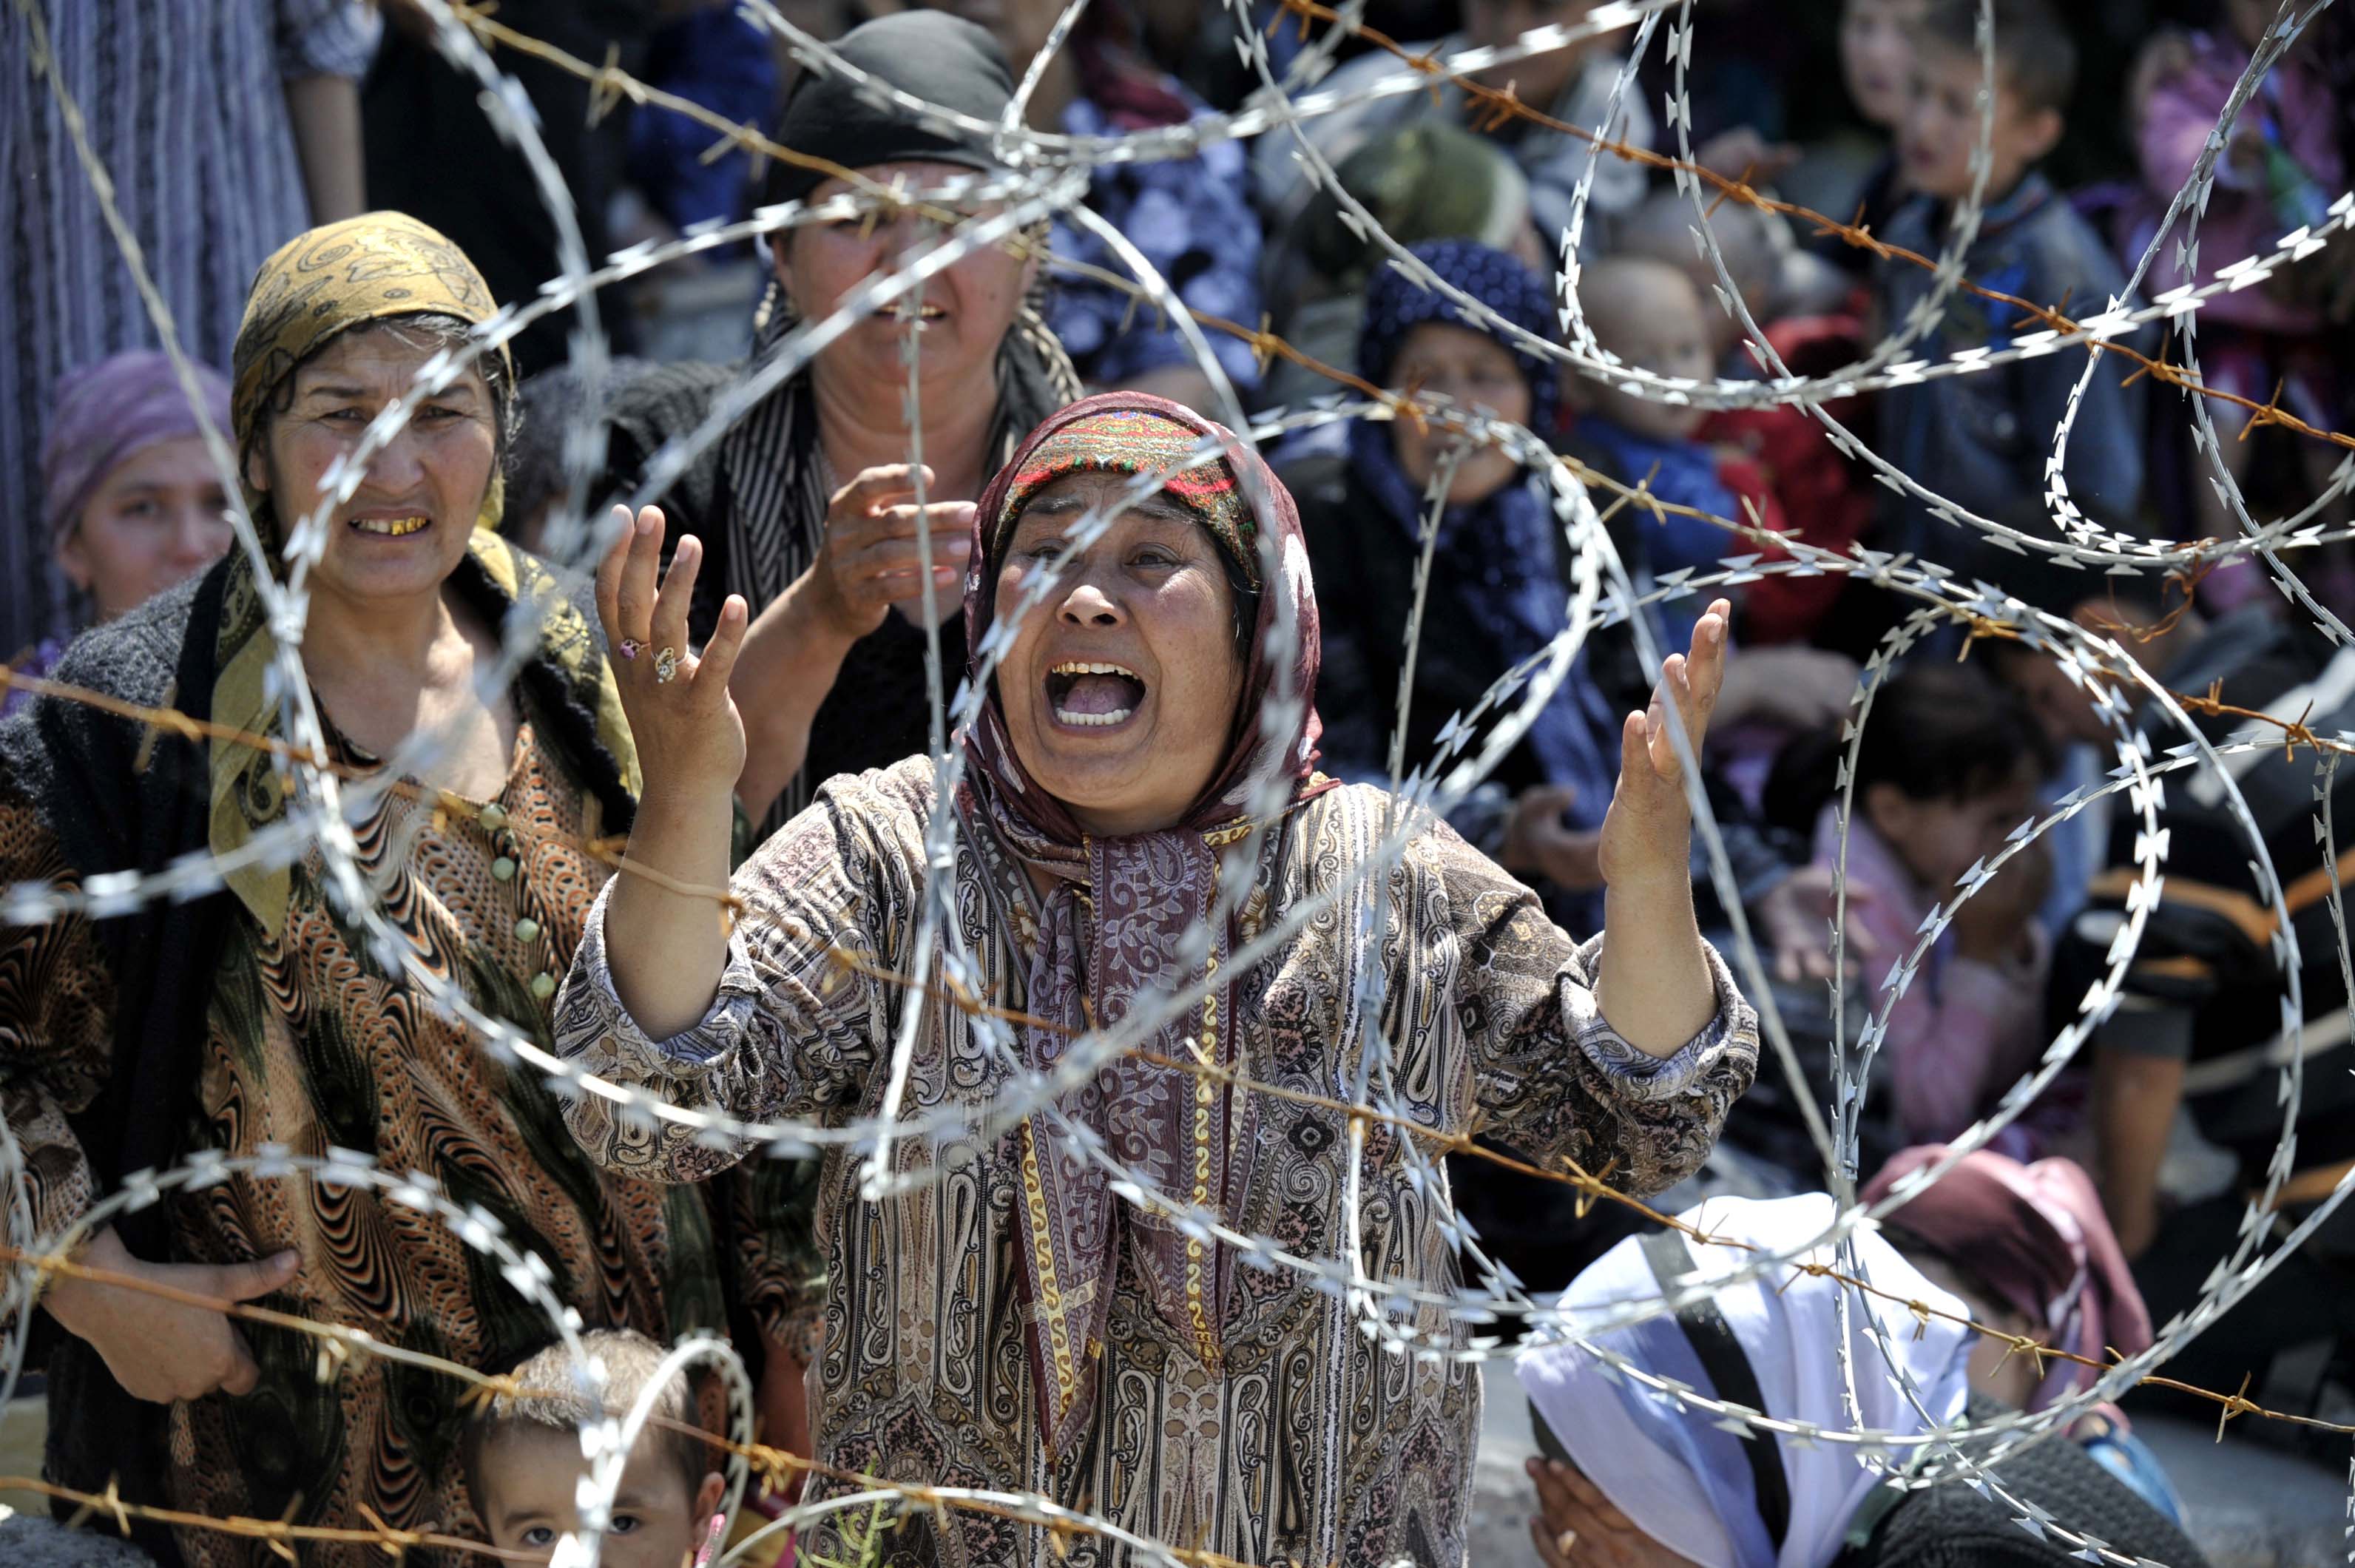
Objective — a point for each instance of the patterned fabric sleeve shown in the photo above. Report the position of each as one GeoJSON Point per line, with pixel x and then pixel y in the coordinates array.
{"type": "Point", "coordinates": [327, 37]}
{"type": "Point", "coordinates": [798, 1018]}
{"type": "Point", "coordinates": [1550, 1077]}
{"type": "Point", "coordinates": [56, 1026]}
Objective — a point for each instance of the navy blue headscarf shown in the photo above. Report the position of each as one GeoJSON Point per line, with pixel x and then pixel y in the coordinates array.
{"type": "Point", "coordinates": [1496, 555]}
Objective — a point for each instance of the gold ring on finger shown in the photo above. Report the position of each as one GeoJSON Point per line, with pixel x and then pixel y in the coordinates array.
{"type": "Point", "coordinates": [665, 665]}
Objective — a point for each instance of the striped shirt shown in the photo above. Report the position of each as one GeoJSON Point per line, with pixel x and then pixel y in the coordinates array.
{"type": "Point", "coordinates": [185, 101]}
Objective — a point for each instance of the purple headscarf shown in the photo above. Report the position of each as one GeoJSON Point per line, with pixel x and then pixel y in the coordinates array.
{"type": "Point", "coordinates": [105, 412]}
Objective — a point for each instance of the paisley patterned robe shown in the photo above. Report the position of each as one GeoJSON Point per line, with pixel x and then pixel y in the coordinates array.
{"type": "Point", "coordinates": [1306, 1442]}
{"type": "Point", "coordinates": [308, 1041]}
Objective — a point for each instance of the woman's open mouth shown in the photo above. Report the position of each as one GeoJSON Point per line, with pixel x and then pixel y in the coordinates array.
{"type": "Point", "coordinates": [391, 527]}
{"type": "Point", "coordinates": [1093, 695]}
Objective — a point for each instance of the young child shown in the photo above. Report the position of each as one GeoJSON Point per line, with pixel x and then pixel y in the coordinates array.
{"type": "Point", "coordinates": [1778, 451]}
{"type": "Point", "coordinates": [1876, 55]}
{"type": "Point", "coordinates": [1981, 440]}
{"type": "Point", "coordinates": [1648, 315]}
{"type": "Point", "coordinates": [524, 1466]}
{"type": "Point", "coordinates": [1948, 766]}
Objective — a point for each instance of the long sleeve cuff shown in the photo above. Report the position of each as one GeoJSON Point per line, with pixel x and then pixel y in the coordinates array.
{"type": "Point", "coordinates": [591, 1007]}
{"type": "Point", "coordinates": [1649, 1078]}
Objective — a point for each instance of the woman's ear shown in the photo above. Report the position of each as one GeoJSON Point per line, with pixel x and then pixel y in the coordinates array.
{"type": "Point", "coordinates": [708, 1496]}
{"type": "Point", "coordinates": [73, 558]}
{"type": "Point", "coordinates": [779, 266]}
{"type": "Point", "coordinates": [256, 469]}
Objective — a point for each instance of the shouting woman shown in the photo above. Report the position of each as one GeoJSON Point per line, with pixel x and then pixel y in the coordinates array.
{"type": "Point", "coordinates": [1011, 1321]}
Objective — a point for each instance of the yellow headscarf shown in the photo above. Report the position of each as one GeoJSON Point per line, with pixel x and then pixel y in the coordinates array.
{"type": "Point", "coordinates": [321, 283]}
{"type": "Point", "coordinates": [328, 280]}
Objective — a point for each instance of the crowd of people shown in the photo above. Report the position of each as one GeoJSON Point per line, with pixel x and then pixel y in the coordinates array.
{"type": "Point", "coordinates": [1060, 1305]}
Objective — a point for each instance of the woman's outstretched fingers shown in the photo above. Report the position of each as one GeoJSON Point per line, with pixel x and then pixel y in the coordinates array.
{"type": "Point", "coordinates": [635, 599]}
{"type": "Point", "coordinates": [1712, 637]}
{"type": "Point", "coordinates": [671, 604]}
{"type": "Point", "coordinates": [718, 660]}
{"type": "Point", "coordinates": [609, 574]}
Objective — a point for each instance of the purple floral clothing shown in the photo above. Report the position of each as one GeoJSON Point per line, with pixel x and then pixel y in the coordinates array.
{"type": "Point", "coordinates": [1193, 220]}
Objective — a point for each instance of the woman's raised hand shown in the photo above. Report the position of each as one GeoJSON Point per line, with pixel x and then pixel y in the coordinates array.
{"type": "Point", "coordinates": [870, 559]}
{"type": "Point", "coordinates": [1648, 833]}
{"type": "Point", "coordinates": [690, 739]}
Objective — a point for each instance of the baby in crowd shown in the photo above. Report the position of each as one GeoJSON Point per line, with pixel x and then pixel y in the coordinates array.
{"type": "Point", "coordinates": [524, 1465]}
{"type": "Point", "coordinates": [1648, 315]}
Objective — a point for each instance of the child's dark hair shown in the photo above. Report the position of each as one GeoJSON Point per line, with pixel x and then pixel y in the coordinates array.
{"type": "Point", "coordinates": [2034, 54]}
{"type": "Point", "coordinates": [549, 1398]}
{"type": "Point", "coordinates": [1937, 732]}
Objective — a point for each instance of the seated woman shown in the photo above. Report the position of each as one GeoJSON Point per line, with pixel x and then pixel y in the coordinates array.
{"type": "Point", "coordinates": [1009, 1319]}
{"type": "Point", "coordinates": [1628, 1477]}
{"type": "Point", "coordinates": [261, 1015]}
{"type": "Point", "coordinates": [130, 499]}
{"type": "Point", "coordinates": [2030, 1244]}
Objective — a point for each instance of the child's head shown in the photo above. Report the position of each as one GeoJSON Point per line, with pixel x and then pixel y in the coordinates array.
{"type": "Point", "coordinates": [524, 1465]}
{"type": "Point", "coordinates": [2035, 72]}
{"type": "Point", "coordinates": [1648, 315]}
{"type": "Point", "coordinates": [1876, 46]}
{"type": "Point", "coordinates": [1948, 766]}
{"type": "Point", "coordinates": [1414, 336]}
{"type": "Point", "coordinates": [1661, 229]}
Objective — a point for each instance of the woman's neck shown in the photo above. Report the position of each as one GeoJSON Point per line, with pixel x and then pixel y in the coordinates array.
{"type": "Point", "coordinates": [857, 435]}
{"type": "Point", "coordinates": [400, 643]}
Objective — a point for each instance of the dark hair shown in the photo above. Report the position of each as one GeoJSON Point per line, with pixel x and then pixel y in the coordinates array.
{"type": "Point", "coordinates": [425, 329]}
{"type": "Point", "coordinates": [2035, 55]}
{"type": "Point", "coordinates": [1937, 732]}
{"type": "Point", "coordinates": [550, 1399]}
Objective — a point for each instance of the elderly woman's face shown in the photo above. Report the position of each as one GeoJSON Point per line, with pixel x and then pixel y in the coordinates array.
{"type": "Point", "coordinates": [1120, 690]}
{"type": "Point", "coordinates": [1476, 371]}
{"type": "Point", "coordinates": [966, 309]}
{"type": "Point", "coordinates": [406, 528]}
{"type": "Point", "coordinates": [160, 515]}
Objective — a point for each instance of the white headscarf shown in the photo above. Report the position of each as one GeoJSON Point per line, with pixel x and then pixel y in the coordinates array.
{"type": "Point", "coordinates": [1674, 1472]}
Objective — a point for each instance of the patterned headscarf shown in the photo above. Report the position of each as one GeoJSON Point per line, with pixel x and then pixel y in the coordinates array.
{"type": "Point", "coordinates": [1396, 304]}
{"type": "Point", "coordinates": [2036, 1236]}
{"type": "Point", "coordinates": [107, 412]}
{"type": "Point", "coordinates": [1108, 938]}
{"type": "Point", "coordinates": [325, 282]}
{"type": "Point", "coordinates": [1133, 440]}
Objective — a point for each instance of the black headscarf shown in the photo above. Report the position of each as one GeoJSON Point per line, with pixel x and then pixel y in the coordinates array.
{"type": "Point", "coordinates": [930, 55]}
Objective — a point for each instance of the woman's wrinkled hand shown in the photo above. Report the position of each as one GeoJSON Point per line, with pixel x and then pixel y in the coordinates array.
{"type": "Point", "coordinates": [162, 1347]}
{"type": "Point", "coordinates": [1647, 833]}
{"type": "Point", "coordinates": [1576, 1527]}
{"type": "Point", "coordinates": [870, 559]}
{"type": "Point", "coordinates": [689, 736]}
